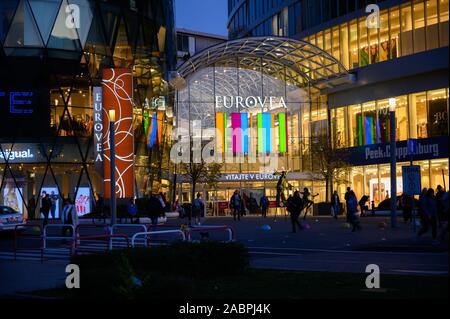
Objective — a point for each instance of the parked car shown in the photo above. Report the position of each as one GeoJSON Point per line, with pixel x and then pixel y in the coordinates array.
{"type": "Point", "coordinates": [9, 218]}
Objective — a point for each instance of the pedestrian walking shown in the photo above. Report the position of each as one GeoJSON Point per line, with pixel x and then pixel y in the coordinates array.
{"type": "Point", "coordinates": [347, 197]}
{"type": "Point", "coordinates": [440, 192]}
{"type": "Point", "coordinates": [53, 201]}
{"type": "Point", "coordinates": [236, 205]}
{"type": "Point", "coordinates": [264, 204]}
{"type": "Point", "coordinates": [46, 204]}
{"type": "Point", "coordinates": [429, 218]}
{"type": "Point", "coordinates": [294, 207]}
{"type": "Point", "coordinates": [335, 205]}
{"type": "Point", "coordinates": [32, 207]}
{"type": "Point", "coordinates": [155, 209]}
{"type": "Point", "coordinates": [132, 210]}
{"type": "Point", "coordinates": [69, 216]}
{"type": "Point", "coordinates": [353, 212]}
{"type": "Point", "coordinates": [198, 207]}
{"type": "Point", "coordinates": [407, 203]}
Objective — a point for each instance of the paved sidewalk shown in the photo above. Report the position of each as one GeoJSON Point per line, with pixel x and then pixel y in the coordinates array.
{"type": "Point", "coordinates": [20, 276]}
{"type": "Point", "coordinates": [328, 233]}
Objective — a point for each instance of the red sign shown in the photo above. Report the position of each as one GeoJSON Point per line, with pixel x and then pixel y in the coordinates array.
{"type": "Point", "coordinates": [118, 96]}
{"type": "Point", "coordinates": [223, 205]}
{"type": "Point", "coordinates": [272, 204]}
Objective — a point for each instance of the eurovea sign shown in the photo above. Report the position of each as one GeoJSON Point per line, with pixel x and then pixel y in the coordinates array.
{"type": "Point", "coordinates": [249, 102]}
{"type": "Point", "coordinates": [98, 123]}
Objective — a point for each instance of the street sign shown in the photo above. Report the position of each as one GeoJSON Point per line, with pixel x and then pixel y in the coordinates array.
{"type": "Point", "coordinates": [411, 180]}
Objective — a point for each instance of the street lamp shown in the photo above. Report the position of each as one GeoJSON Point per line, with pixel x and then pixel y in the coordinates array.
{"type": "Point", "coordinates": [392, 105]}
{"type": "Point", "coordinates": [112, 159]}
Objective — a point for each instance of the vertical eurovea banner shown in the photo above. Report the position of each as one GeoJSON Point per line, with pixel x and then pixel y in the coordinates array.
{"type": "Point", "coordinates": [98, 128]}
{"type": "Point", "coordinates": [118, 96]}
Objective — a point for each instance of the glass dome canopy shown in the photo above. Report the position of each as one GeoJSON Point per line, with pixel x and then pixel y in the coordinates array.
{"type": "Point", "coordinates": [294, 61]}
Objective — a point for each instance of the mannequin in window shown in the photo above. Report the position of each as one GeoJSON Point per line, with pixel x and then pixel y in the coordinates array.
{"type": "Point", "coordinates": [384, 51]}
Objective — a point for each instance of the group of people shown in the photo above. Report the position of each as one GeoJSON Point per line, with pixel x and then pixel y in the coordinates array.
{"type": "Point", "coordinates": [238, 205]}
{"type": "Point", "coordinates": [433, 211]}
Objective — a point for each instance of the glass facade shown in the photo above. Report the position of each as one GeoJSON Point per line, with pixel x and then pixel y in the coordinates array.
{"type": "Point", "coordinates": [409, 28]}
{"type": "Point", "coordinates": [47, 133]}
{"type": "Point", "coordinates": [374, 180]}
{"type": "Point", "coordinates": [418, 115]}
{"type": "Point", "coordinates": [251, 91]}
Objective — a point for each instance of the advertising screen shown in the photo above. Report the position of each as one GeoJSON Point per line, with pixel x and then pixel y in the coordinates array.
{"type": "Point", "coordinates": [12, 198]}
{"type": "Point", "coordinates": [54, 197]}
{"type": "Point", "coordinates": [83, 201]}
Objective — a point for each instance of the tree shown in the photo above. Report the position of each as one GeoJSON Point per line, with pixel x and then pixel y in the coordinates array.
{"type": "Point", "coordinates": [202, 173]}
{"type": "Point", "coordinates": [328, 162]}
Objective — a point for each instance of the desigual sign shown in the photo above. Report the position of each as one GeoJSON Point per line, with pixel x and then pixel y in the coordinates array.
{"type": "Point", "coordinates": [10, 155]}
{"type": "Point", "coordinates": [239, 102]}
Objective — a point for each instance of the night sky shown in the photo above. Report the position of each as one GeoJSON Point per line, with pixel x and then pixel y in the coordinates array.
{"type": "Point", "coordinates": [208, 16]}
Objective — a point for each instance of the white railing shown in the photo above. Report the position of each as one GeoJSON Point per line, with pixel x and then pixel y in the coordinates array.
{"type": "Point", "coordinates": [149, 233]}
{"type": "Point", "coordinates": [46, 237]}
{"type": "Point", "coordinates": [116, 226]}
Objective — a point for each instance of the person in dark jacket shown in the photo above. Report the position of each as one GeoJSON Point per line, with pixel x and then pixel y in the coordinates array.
{"type": "Point", "coordinates": [362, 204]}
{"type": "Point", "coordinates": [45, 208]}
{"type": "Point", "coordinates": [335, 204]}
{"type": "Point", "coordinates": [347, 197]}
{"type": "Point", "coordinates": [353, 211]}
{"type": "Point", "coordinates": [429, 215]}
{"type": "Point", "coordinates": [237, 205]}
{"type": "Point", "coordinates": [264, 204]}
{"type": "Point", "coordinates": [294, 207]}
{"type": "Point", "coordinates": [421, 210]}
{"type": "Point", "coordinates": [154, 208]}
{"type": "Point", "coordinates": [440, 204]}
{"type": "Point", "coordinates": [407, 202]}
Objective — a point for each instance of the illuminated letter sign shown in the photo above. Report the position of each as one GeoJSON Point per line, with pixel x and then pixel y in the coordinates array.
{"type": "Point", "coordinates": [249, 102]}
{"type": "Point", "coordinates": [118, 96]}
{"type": "Point", "coordinates": [19, 102]}
{"type": "Point", "coordinates": [98, 123]}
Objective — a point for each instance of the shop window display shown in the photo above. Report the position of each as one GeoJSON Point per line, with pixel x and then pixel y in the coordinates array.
{"type": "Point", "coordinates": [363, 43]}
{"type": "Point", "coordinates": [369, 123]}
{"type": "Point", "coordinates": [384, 37]}
{"type": "Point", "coordinates": [437, 112]}
{"type": "Point", "coordinates": [418, 115]}
{"type": "Point", "coordinates": [439, 173]}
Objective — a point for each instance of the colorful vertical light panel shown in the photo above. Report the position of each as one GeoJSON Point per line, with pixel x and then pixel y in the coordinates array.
{"type": "Point", "coordinates": [220, 126]}
{"type": "Point", "coordinates": [245, 131]}
{"type": "Point", "coordinates": [236, 120]}
{"type": "Point", "coordinates": [260, 133]}
{"type": "Point", "coordinates": [267, 124]}
{"type": "Point", "coordinates": [282, 132]}
{"type": "Point", "coordinates": [146, 124]}
{"type": "Point", "coordinates": [153, 131]}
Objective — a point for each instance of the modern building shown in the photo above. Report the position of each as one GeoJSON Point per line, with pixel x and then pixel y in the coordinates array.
{"type": "Point", "coordinates": [58, 60]}
{"type": "Point", "coordinates": [190, 42]}
{"type": "Point", "coordinates": [312, 70]}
